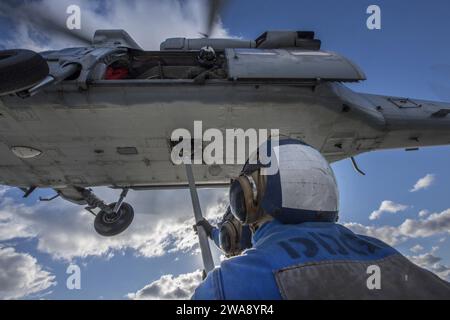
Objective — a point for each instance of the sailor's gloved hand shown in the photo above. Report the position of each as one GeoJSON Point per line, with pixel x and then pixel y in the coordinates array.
{"type": "Point", "coordinates": [206, 226]}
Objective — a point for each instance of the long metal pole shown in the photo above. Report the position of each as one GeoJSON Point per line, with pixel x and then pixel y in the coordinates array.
{"type": "Point", "coordinates": [208, 261]}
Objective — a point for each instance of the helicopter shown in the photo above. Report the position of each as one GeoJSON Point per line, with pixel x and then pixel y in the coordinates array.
{"type": "Point", "coordinates": [103, 114]}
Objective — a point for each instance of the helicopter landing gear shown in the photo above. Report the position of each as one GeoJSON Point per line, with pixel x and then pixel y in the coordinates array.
{"type": "Point", "coordinates": [112, 219]}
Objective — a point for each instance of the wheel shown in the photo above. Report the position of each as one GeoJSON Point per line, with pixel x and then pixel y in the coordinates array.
{"type": "Point", "coordinates": [20, 70]}
{"type": "Point", "coordinates": [113, 225]}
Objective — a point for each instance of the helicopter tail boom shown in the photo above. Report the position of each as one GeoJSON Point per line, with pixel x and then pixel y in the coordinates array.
{"type": "Point", "coordinates": [411, 123]}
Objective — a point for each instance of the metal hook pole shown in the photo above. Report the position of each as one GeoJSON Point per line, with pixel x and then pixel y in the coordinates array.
{"type": "Point", "coordinates": [208, 261]}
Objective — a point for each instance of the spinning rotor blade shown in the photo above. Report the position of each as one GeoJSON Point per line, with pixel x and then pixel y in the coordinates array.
{"type": "Point", "coordinates": [42, 20]}
{"type": "Point", "coordinates": [214, 9]}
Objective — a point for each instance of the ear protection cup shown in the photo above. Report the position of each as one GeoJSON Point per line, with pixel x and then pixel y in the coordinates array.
{"type": "Point", "coordinates": [230, 238]}
{"type": "Point", "coordinates": [245, 195]}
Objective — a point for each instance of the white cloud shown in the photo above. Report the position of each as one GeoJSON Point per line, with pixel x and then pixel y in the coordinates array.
{"type": "Point", "coordinates": [423, 213]}
{"type": "Point", "coordinates": [13, 226]}
{"type": "Point", "coordinates": [388, 234]}
{"type": "Point", "coordinates": [432, 262]}
{"type": "Point", "coordinates": [169, 287]}
{"type": "Point", "coordinates": [149, 21]}
{"type": "Point", "coordinates": [21, 275]}
{"type": "Point", "coordinates": [66, 232]}
{"type": "Point", "coordinates": [387, 206]}
{"type": "Point", "coordinates": [424, 183]}
{"type": "Point", "coordinates": [434, 225]}
{"type": "Point", "coordinates": [417, 248]}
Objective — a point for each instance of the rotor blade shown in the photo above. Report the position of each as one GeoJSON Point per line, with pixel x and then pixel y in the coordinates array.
{"type": "Point", "coordinates": [214, 9]}
{"type": "Point", "coordinates": [41, 20]}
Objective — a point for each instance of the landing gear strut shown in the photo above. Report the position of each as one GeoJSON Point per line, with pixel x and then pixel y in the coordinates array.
{"type": "Point", "coordinates": [112, 219]}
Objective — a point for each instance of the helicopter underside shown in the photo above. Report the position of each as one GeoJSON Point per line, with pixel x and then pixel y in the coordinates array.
{"type": "Point", "coordinates": [81, 135]}
{"type": "Point", "coordinates": [118, 132]}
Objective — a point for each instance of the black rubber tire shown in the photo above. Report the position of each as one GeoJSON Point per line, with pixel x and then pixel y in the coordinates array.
{"type": "Point", "coordinates": [111, 229]}
{"type": "Point", "coordinates": [20, 70]}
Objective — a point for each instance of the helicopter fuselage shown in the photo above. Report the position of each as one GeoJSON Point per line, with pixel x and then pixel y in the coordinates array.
{"type": "Point", "coordinates": [105, 114]}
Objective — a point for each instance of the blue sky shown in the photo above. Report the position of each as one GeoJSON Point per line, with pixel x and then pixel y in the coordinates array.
{"type": "Point", "coordinates": [408, 57]}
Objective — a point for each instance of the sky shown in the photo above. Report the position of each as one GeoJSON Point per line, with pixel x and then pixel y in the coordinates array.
{"type": "Point", "coordinates": [402, 200]}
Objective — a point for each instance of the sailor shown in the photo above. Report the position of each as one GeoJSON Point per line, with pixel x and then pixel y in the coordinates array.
{"type": "Point", "coordinates": [207, 57]}
{"type": "Point", "coordinates": [230, 236]}
{"type": "Point", "coordinates": [208, 67]}
{"type": "Point", "coordinates": [299, 250]}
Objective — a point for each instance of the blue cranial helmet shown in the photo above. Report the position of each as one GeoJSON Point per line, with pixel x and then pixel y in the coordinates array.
{"type": "Point", "coordinates": [296, 186]}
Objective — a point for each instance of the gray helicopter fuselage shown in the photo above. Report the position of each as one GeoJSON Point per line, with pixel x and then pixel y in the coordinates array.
{"type": "Point", "coordinates": [86, 127]}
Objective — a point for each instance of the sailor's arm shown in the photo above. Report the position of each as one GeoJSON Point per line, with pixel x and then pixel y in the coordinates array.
{"type": "Point", "coordinates": [211, 231]}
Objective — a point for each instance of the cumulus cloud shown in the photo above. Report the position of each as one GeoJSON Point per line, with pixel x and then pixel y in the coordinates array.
{"type": "Point", "coordinates": [13, 226]}
{"type": "Point", "coordinates": [389, 234]}
{"type": "Point", "coordinates": [65, 231]}
{"type": "Point", "coordinates": [387, 207]}
{"type": "Point", "coordinates": [169, 287]}
{"type": "Point", "coordinates": [435, 224]}
{"type": "Point", "coordinates": [433, 263]}
{"type": "Point", "coordinates": [424, 183]}
{"type": "Point", "coordinates": [21, 275]}
{"type": "Point", "coordinates": [149, 21]}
